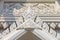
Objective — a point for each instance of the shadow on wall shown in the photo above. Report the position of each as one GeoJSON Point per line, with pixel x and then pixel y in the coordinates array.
{"type": "Point", "coordinates": [58, 2]}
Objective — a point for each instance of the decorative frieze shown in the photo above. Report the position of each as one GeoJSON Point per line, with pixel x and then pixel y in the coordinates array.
{"type": "Point", "coordinates": [41, 9]}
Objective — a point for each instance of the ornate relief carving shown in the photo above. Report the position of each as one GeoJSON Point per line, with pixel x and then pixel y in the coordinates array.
{"type": "Point", "coordinates": [27, 13]}
{"type": "Point", "coordinates": [39, 8]}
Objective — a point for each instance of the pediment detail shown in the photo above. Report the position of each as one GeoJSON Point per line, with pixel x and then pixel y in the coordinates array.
{"type": "Point", "coordinates": [29, 24]}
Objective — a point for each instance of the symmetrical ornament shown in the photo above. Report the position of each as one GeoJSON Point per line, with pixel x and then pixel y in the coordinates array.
{"type": "Point", "coordinates": [31, 15]}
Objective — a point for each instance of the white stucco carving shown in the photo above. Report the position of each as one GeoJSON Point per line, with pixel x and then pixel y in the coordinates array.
{"type": "Point", "coordinates": [28, 16]}
{"type": "Point", "coordinates": [53, 25]}
{"type": "Point", "coordinates": [46, 27]}
{"type": "Point", "coordinates": [38, 8]}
